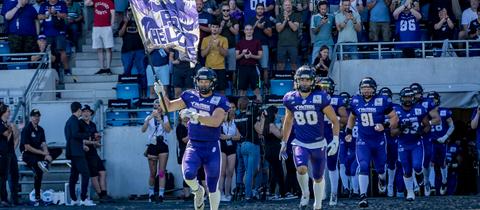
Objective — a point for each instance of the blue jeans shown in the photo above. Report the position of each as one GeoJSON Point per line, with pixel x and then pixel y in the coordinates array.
{"type": "Point", "coordinates": [251, 158]}
{"type": "Point", "coordinates": [240, 169]}
{"type": "Point", "coordinates": [131, 59]}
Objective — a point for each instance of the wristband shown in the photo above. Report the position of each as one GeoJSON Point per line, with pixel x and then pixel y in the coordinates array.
{"type": "Point", "coordinates": [348, 131]}
{"type": "Point", "coordinates": [335, 138]}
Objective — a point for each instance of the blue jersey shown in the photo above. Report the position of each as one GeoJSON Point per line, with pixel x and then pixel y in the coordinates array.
{"type": "Point", "coordinates": [441, 129]}
{"type": "Point", "coordinates": [336, 101]}
{"type": "Point", "coordinates": [408, 29]}
{"type": "Point", "coordinates": [307, 113]}
{"type": "Point", "coordinates": [204, 106]}
{"type": "Point", "coordinates": [249, 6]}
{"type": "Point", "coordinates": [428, 104]}
{"type": "Point", "coordinates": [414, 116]}
{"type": "Point", "coordinates": [370, 113]}
{"type": "Point", "coordinates": [391, 138]}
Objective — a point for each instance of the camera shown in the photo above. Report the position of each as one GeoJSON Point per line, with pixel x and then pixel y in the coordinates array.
{"type": "Point", "coordinates": [349, 11]}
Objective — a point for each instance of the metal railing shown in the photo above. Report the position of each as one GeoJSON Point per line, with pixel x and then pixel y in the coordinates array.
{"type": "Point", "coordinates": [44, 63]}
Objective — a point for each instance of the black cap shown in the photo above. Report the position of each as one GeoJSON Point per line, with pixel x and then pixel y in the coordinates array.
{"type": "Point", "coordinates": [35, 112]}
{"type": "Point", "coordinates": [87, 108]}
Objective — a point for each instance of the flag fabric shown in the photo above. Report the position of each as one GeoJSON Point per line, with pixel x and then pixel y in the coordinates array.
{"type": "Point", "coordinates": [168, 24]}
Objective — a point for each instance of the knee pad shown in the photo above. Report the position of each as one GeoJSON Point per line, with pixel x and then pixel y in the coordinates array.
{"type": "Point", "coordinates": [189, 175]}
{"type": "Point", "coordinates": [161, 174]}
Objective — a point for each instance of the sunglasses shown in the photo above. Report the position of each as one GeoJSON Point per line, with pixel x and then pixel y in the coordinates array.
{"type": "Point", "coordinates": [226, 10]}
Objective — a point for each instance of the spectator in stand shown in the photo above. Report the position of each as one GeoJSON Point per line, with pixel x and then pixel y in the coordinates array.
{"type": "Point", "coordinates": [204, 20]}
{"type": "Point", "coordinates": [159, 60]}
{"type": "Point", "coordinates": [468, 16]}
{"type": "Point", "coordinates": [133, 52]}
{"type": "Point", "coordinates": [102, 32]}
{"type": "Point", "coordinates": [287, 28]}
{"type": "Point", "coordinates": [297, 6]}
{"type": "Point", "coordinates": [321, 29]}
{"type": "Point", "coordinates": [53, 13]}
{"type": "Point", "coordinates": [250, 9]}
{"type": "Point", "coordinates": [211, 7]}
{"type": "Point", "coordinates": [37, 4]}
{"type": "Point", "coordinates": [182, 137]}
{"type": "Point", "coordinates": [244, 123]}
{"type": "Point", "coordinates": [20, 19]}
{"type": "Point", "coordinates": [474, 33]}
{"type": "Point", "coordinates": [120, 12]}
{"type": "Point", "coordinates": [228, 145]}
{"type": "Point", "coordinates": [98, 174]}
{"type": "Point", "coordinates": [262, 30]}
{"type": "Point", "coordinates": [443, 29]}
{"type": "Point", "coordinates": [322, 62]}
{"type": "Point", "coordinates": [9, 137]}
{"type": "Point", "coordinates": [42, 46]}
{"type": "Point", "coordinates": [236, 12]}
{"type": "Point", "coordinates": [379, 20]}
{"type": "Point", "coordinates": [214, 50]}
{"type": "Point", "coordinates": [229, 28]}
{"type": "Point", "coordinates": [475, 124]}
{"type": "Point", "coordinates": [74, 23]}
{"type": "Point", "coordinates": [348, 24]}
{"type": "Point", "coordinates": [182, 77]}
{"type": "Point", "coordinates": [248, 52]}
{"type": "Point", "coordinates": [407, 18]}
{"type": "Point", "coordinates": [35, 152]}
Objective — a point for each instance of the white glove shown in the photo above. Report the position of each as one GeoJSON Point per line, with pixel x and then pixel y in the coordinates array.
{"type": "Point", "coordinates": [442, 139]}
{"type": "Point", "coordinates": [283, 151]}
{"type": "Point", "coordinates": [333, 146]}
{"type": "Point", "coordinates": [158, 88]}
{"type": "Point", "coordinates": [189, 113]}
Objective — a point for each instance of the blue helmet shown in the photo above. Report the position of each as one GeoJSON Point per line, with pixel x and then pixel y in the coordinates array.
{"type": "Point", "coordinates": [385, 91]}
{"type": "Point", "coordinates": [205, 73]}
{"type": "Point", "coordinates": [417, 91]}
{"type": "Point", "coordinates": [346, 97]}
{"type": "Point", "coordinates": [305, 72]}
{"type": "Point", "coordinates": [435, 97]}
{"type": "Point", "coordinates": [367, 82]}
{"type": "Point", "coordinates": [327, 84]}
{"type": "Point", "coordinates": [407, 96]}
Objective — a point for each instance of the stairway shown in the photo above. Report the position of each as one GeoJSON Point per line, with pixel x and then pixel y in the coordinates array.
{"type": "Point", "coordinates": [84, 66]}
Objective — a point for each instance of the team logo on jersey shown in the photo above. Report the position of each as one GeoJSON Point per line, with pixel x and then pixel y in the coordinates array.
{"type": "Point", "coordinates": [304, 101]}
{"type": "Point", "coordinates": [317, 99]}
{"type": "Point", "coordinates": [214, 149]}
{"type": "Point", "coordinates": [425, 104]}
{"type": "Point", "coordinates": [215, 100]}
{"type": "Point", "coordinates": [418, 111]}
{"type": "Point", "coordinates": [443, 113]}
{"type": "Point", "coordinates": [378, 102]}
{"type": "Point", "coordinates": [334, 101]}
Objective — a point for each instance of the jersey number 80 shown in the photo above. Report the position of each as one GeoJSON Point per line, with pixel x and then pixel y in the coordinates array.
{"type": "Point", "coordinates": [308, 117]}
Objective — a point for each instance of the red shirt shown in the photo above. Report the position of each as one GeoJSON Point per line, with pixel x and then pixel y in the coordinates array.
{"type": "Point", "coordinates": [101, 15]}
{"type": "Point", "coordinates": [254, 46]}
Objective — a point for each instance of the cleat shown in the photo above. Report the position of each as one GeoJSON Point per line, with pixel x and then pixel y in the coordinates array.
{"type": "Point", "coordinates": [382, 188]}
{"type": "Point", "coordinates": [410, 196]}
{"type": "Point", "coordinates": [333, 199]}
{"type": "Point", "coordinates": [427, 190]}
{"type": "Point", "coordinates": [198, 200]}
{"type": "Point", "coordinates": [443, 189]}
{"type": "Point", "coordinates": [390, 192]}
{"type": "Point", "coordinates": [87, 202]}
{"type": "Point", "coordinates": [304, 201]}
{"type": "Point", "coordinates": [363, 201]}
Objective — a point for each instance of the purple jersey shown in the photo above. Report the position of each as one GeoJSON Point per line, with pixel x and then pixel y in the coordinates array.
{"type": "Point", "coordinates": [427, 103]}
{"type": "Point", "coordinates": [415, 116]}
{"type": "Point", "coordinates": [336, 101]}
{"type": "Point", "coordinates": [204, 106]}
{"type": "Point", "coordinates": [439, 130]}
{"type": "Point", "coordinates": [307, 113]}
{"type": "Point", "coordinates": [370, 113]}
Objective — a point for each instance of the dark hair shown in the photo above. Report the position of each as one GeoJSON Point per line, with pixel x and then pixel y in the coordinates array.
{"type": "Point", "coordinates": [269, 118]}
{"type": "Point", "coordinates": [259, 4]}
{"type": "Point", "coordinates": [3, 108]}
{"type": "Point", "coordinates": [75, 106]}
{"type": "Point", "coordinates": [242, 102]}
{"type": "Point", "coordinates": [215, 22]}
{"type": "Point", "coordinates": [322, 3]}
{"type": "Point", "coordinates": [323, 47]}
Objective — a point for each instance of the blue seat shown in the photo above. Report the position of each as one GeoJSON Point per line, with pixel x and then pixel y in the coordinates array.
{"type": "Point", "coordinates": [128, 91]}
{"type": "Point", "coordinates": [280, 114]}
{"type": "Point", "coordinates": [280, 87]}
{"type": "Point", "coordinates": [17, 66]}
{"type": "Point", "coordinates": [117, 118]}
{"type": "Point", "coordinates": [4, 49]}
{"type": "Point", "coordinates": [141, 115]}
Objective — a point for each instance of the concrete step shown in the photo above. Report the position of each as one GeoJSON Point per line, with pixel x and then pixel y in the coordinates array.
{"type": "Point", "coordinates": [91, 78]}
{"type": "Point", "coordinates": [103, 94]}
{"type": "Point", "coordinates": [95, 63]}
{"type": "Point", "coordinates": [93, 56]}
{"type": "Point", "coordinates": [93, 70]}
{"type": "Point", "coordinates": [88, 48]}
{"type": "Point", "coordinates": [90, 86]}
{"type": "Point", "coordinates": [117, 40]}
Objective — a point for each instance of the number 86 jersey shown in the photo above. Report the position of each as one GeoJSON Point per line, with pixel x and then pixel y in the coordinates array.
{"type": "Point", "coordinates": [370, 113]}
{"type": "Point", "coordinates": [308, 118]}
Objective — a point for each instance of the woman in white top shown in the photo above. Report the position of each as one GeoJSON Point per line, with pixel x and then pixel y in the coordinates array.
{"type": "Point", "coordinates": [228, 146]}
{"type": "Point", "coordinates": [156, 125]}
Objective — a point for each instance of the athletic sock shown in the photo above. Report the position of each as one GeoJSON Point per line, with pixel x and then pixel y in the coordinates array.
{"type": "Point", "coordinates": [318, 191]}
{"type": "Point", "coordinates": [363, 183]}
{"type": "Point", "coordinates": [333, 175]}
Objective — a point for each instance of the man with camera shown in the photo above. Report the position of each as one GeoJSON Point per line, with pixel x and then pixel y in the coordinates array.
{"type": "Point", "coordinates": [348, 23]}
{"type": "Point", "coordinates": [321, 29]}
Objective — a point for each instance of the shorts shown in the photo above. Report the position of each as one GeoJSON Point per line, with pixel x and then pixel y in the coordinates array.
{"type": "Point", "coordinates": [156, 149]}
{"type": "Point", "coordinates": [231, 59]}
{"type": "Point", "coordinates": [102, 37]}
{"type": "Point", "coordinates": [95, 165]}
{"type": "Point", "coordinates": [120, 5]}
{"type": "Point", "coordinates": [58, 43]}
{"type": "Point", "coordinates": [287, 52]}
{"type": "Point", "coordinates": [228, 150]}
{"type": "Point", "coordinates": [221, 79]}
{"type": "Point", "coordinates": [247, 77]}
{"type": "Point", "coordinates": [182, 76]}
{"type": "Point", "coordinates": [162, 72]}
